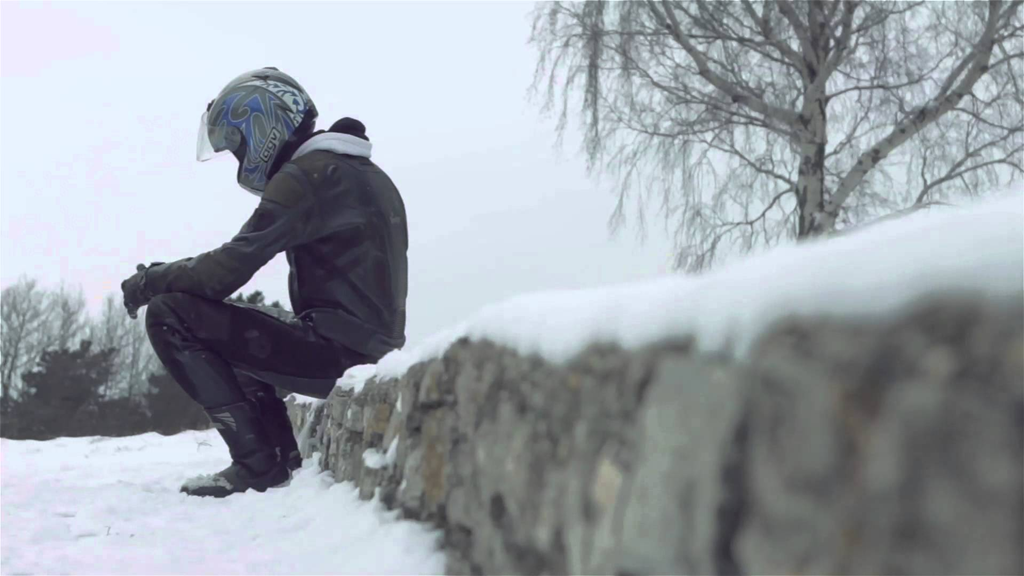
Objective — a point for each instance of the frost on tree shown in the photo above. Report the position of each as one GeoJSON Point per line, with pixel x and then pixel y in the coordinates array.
{"type": "Point", "coordinates": [750, 122]}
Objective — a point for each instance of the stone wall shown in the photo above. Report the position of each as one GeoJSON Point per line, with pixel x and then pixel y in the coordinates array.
{"type": "Point", "coordinates": [836, 446]}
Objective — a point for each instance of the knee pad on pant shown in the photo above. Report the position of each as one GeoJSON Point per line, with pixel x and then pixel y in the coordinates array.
{"type": "Point", "coordinates": [201, 373]}
{"type": "Point", "coordinates": [164, 311]}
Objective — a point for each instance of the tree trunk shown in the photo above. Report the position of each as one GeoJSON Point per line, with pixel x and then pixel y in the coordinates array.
{"type": "Point", "coordinates": [11, 366]}
{"type": "Point", "coordinates": [811, 177]}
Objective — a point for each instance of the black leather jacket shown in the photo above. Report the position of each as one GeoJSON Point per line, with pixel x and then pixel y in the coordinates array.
{"type": "Point", "coordinates": [341, 222]}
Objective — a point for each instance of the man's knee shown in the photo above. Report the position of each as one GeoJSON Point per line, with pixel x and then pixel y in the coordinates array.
{"type": "Point", "coordinates": [166, 311]}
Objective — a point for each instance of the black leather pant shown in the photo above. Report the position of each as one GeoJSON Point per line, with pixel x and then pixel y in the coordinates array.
{"type": "Point", "coordinates": [207, 345]}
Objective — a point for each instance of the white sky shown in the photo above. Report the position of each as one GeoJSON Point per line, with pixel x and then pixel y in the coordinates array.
{"type": "Point", "coordinates": [101, 102]}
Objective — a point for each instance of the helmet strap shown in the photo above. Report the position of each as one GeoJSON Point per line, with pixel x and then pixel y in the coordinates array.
{"type": "Point", "coordinates": [302, 133]}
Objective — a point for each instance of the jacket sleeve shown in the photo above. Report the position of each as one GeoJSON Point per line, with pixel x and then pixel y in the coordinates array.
{"type": "Point", "coordinates": [282, 220]}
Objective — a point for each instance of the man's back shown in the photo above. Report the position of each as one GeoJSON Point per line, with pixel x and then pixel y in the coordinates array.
{"type": "Point", "coordinates": [350, 277]}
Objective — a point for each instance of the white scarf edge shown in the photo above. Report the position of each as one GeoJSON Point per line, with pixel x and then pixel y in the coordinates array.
{"type": "Point", "coordinates": [337, 143]}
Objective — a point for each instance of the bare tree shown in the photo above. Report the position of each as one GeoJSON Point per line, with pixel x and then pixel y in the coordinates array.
{"type": "Point", "coordinates": [134, 357]}
{"type": "Point", "coordinates": [67, 317]}
{"type": "Point", "coordinates": [751, 122]}
{"type": "Point", "coordinates": [24, 319]}
{"type": "Point", "coordinates": [137, 357]}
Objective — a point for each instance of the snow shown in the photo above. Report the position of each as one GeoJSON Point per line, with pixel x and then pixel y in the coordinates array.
{"type": "Point", "coordinates": [206, 481]}
{"type": "Point", "coordinates": [301, 399]}
{"type": "Point", "coordinates": [305, 435]}
{"type": "Point", "coordinates": [374, 458]}
{"type": "Point", "coordinates": [112, 506]}
{"type": "Point", "coordinates": [356, 376]}
{"type": "Point", "coordinates": [392, 455]}
{"type": "Point", "coordinates": [869, 273]}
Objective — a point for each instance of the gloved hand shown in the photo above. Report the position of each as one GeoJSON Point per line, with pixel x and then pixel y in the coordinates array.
{"type": "Point", "coordinates": [135, 293]}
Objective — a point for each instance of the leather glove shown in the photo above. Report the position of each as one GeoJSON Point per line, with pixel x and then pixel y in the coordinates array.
{"type": "Point", "coordinates": [135, 293]}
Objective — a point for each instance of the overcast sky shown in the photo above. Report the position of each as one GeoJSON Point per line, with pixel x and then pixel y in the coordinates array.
{"type": "Point", "coordinates": [101, 103]}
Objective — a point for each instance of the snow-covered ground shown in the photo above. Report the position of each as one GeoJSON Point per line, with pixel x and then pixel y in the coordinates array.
{"type": "Point", "coordinates": [112, 506]}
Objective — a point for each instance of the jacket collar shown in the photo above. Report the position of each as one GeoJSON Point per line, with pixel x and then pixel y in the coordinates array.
{"type": "Point", "coordinates": [337, 143]}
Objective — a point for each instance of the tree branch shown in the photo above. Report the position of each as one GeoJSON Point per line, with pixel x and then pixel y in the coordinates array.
{"type": "Point", "coordinates": [786, 9]}
{"type": "Point", "coordinates": [953, 173]}
{"type": "Point", "coordinates": [942, 103]}
{"type": "Point", "coordinates": [670, 22]}
{"type": "Point", "coordinates": [765, 27]}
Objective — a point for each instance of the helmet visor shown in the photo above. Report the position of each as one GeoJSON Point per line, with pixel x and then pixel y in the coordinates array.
{"type": "Point", "coordinates": [215, 141]}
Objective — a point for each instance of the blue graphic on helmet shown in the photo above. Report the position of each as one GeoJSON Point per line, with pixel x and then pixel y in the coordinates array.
{"type": "Point", "coordinates": [267, 113]}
